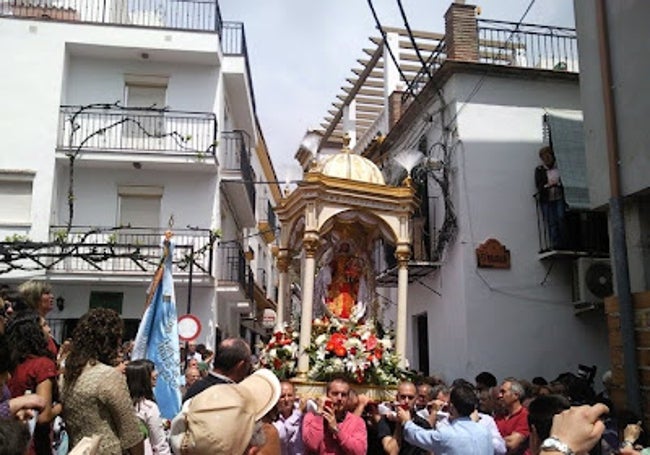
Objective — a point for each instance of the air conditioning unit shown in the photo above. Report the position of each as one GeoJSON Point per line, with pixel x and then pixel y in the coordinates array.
{"type": "Point", "coordinates": [593, 281]}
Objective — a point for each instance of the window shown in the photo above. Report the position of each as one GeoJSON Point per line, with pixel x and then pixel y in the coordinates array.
{"type": "Point", "coordinates": [16, 198]}
{"type": "Point", "coordinates": [110, 300]}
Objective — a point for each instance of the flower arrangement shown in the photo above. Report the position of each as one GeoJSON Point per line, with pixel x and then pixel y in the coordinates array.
{"type": "Point", "coordinates": [354, 350]}
{"type": "Point", "coordinates": [280, 354]}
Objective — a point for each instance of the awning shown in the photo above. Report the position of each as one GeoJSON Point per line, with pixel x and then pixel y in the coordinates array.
{"type": "Point", "coordinates": [566, 136]}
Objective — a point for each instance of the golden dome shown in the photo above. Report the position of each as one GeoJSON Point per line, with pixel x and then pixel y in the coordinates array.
{"type": "Point", "coordinates": [346, 165]}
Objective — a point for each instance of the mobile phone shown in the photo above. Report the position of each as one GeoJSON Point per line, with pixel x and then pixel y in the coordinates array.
{"type": "Point", "coordinates": [404, 406]}
{"type": "Point", "coordinates": [328, 404]}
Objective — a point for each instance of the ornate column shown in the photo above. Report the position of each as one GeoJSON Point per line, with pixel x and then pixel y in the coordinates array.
{"type": "Point", "coordinates": [402, 253]}
{"type": "Point", "coordinates": [283, 267]}
{"type": "Point", "coordinates": [310, 245]}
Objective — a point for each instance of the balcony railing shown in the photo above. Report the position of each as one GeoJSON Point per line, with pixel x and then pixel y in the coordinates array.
{"type": "Point", "coordinates": [127, 250]}
{"type": "Point", "coordinates": [233, 43]}
{"type": "Point", "coordinates": [195, 15]}
{"type": "Point", "coordinates": [233, 267]}
{"type": "Point", "coordinates": [111, 128]}
{"type": "Point", "coordinates": [235, 156]}
{"type": "Point", "coordinates": [510, 44]}
{"type": "Point", "coordinates": [528, 45]}
{"type": "Point", "coordinates": [582, 232]}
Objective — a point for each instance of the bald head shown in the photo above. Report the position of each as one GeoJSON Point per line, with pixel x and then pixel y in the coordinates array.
{"type": "Point", "coordinates": [233, 359]}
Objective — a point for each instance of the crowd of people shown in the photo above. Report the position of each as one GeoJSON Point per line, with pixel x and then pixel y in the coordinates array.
{"type": "Point", "coordinates": [86, 396]}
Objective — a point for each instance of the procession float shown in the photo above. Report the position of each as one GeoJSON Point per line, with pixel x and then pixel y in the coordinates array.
{"type": "Point", "coordinates": [334, 224]}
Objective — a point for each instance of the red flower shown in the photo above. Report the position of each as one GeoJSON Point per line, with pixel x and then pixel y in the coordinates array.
{"type": "Point", "coordinates": [340, 351]}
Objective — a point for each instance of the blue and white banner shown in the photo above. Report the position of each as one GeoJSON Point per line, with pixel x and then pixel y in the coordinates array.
{"type": "Point", "coordinates": [157, 338]}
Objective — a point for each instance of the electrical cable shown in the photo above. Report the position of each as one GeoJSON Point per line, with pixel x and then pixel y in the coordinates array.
{"type": "Point", "coordinates": [390, 51]}
{"type": "Point", "coordinates": [410, 34]}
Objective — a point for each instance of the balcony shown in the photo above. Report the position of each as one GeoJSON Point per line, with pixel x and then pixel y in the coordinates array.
{"type": "Point", "coordinates": [237, 75]}
{"type": "Point", "coordinates": [266, 224]}
{"type": "Point", "coordinates": [584, 233]}
{"type": "Point", "coordinates": [236, 281]}
{"type": "Point", "coordinates": [501, 43]}
{"type": "Point", "coordinates": [192, 15]}
{"type": "Point", "coordinates": [111, 132]}
{"type": "Point", "coordinates": [237, 175]}
{"type": "Point", "coordinates": [420, 264]}
{"type": "Point", "coordinates": [125, 251]}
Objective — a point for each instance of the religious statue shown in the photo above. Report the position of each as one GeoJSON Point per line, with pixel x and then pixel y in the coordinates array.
{"type": "Point", "coordinates": [341, 284]}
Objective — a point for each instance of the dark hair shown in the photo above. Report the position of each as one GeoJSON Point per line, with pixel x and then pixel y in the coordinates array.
{"type": "Point", "coordinates": [14, 437]}
{"type": "Point", "coordinates": [6, 359]}
{"type": "Point", "coordinates": [26, 337]}
{"type": "Point", "coordinates": [96, 338]}
{"type": "Point", "coordinates": [138, 378]}
{"type": "Point", "coordinates": [230, 352]}
{"type": "Point", "coordinates": [464, 399]}
{"type": "Point", "coordinates": [541, 411]}
{"type": "Point", "coordinates": [337, 378]}
{"type": "Point", "coordinates": [486, 378]}
{"type": "Point", "coordinates": [538, 380]}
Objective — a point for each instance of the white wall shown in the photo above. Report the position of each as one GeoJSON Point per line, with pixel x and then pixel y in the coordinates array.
{"type": "Point", "coordinates": [504, 321]}
{"type": "Point", "coordinates": [30, 88]}
{"type": "Point", "coordinates": [628, 37]}
{"type": "Point", "coordinates": [77, 300]}
{"type": "Point", "coordinates": [95, 80]}
{"type": "Point", "coordinates": [189, 196]}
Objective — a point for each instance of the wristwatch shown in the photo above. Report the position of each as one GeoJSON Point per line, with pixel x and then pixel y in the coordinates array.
{"type": "Point", "coordinates": [554, 444]}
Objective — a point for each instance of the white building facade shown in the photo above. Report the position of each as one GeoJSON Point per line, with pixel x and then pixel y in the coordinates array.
{"type": "Point", "coordinates": [152, 106]}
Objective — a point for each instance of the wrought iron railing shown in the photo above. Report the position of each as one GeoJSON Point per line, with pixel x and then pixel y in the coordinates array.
{"type": "Point", "coordinates": [511, 44]}
{"type": "Point", "coordinates": [233, 42]}
{"type": "Point", "coordinates": [234, 155]}
{"type": "Point", "coordinates": [127, 250]}
{"type": "Point", "coordinates": [233, 267]}
{"type": "Point", "coordinates": [195, 15]}
{"type": "Point", "coordinates": [580, 231]}
{"type": "Point", "coordinates": [528, 45]}
{"type": "Point", "coordinates": [112, 128]}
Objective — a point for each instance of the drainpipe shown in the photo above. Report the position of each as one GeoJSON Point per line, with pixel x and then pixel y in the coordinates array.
{"type": "Point", "coordinates": [619, 245]}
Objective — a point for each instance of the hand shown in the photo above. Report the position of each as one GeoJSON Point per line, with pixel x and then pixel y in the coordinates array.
{"type": "Point", "coordinates": [579, 427]}
{"type": "Point", "coordinates": [26, 402]}
{"type": "Point", "coordinates": [330, 418]}
{"type": "Point", "coordinates": [632, 432]}
{"type": "Point", "coordinates": [403, 415]}
{"type": "Point", "coordinates": [363, 400]}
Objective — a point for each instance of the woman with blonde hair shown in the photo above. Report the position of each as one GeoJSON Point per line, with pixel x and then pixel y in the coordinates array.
{"type": "Point", "coordinates": [96, 398]}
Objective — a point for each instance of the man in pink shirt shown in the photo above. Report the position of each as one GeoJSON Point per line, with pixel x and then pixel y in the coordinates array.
{"type": "Point", "coordinates": [332, 430]}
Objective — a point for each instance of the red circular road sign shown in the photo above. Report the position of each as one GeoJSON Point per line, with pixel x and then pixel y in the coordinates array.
{"type": "Point", "coordinates": [189, 327]}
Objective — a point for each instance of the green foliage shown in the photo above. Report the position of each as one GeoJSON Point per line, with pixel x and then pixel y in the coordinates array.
{"type": "Point", "coordinates": [17, 238]}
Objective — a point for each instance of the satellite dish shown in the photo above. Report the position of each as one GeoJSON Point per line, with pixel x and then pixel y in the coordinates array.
{"type": "Point", "coordinates": [599, 280]}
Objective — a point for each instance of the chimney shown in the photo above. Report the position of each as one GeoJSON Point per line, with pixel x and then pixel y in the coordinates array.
{"type": "Point", "coordinates": [395, 108]}
{"type": "Point", "coordinates": [461, 32]}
